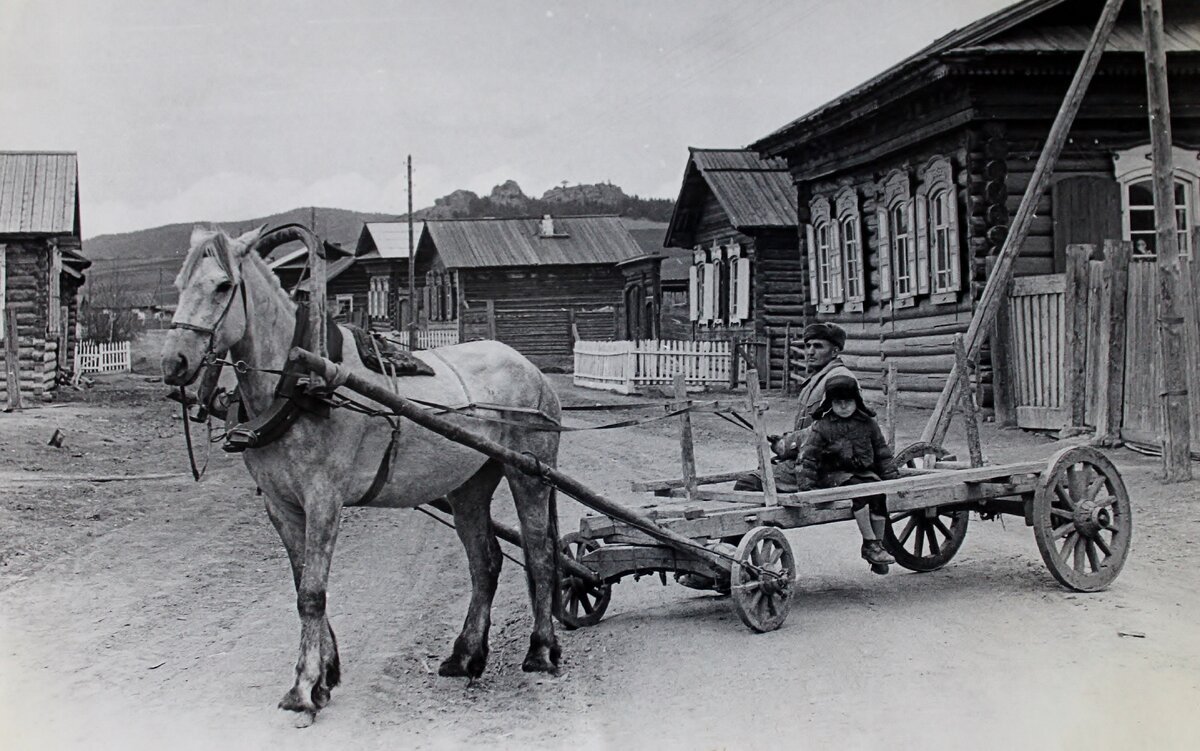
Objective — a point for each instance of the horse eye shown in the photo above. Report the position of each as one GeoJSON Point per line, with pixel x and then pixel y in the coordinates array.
{"type": "Point", "coordinates": [224, 286]}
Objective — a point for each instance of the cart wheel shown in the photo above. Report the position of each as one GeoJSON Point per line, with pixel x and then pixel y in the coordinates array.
{"type": "Point", "coordinates": [1081, 519]}
{"type": "Point", "coordinates": [580, 603]}
{"type": "Point", "coordinates": [761, 579]}
{"type": "Point", "coordinates": [927, 538]}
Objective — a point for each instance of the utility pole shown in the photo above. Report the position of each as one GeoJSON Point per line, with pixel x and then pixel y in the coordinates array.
{"type": "Point", "coordinates": [412, 270]}
{"type": "Point", "coordinates": [1176, 448]}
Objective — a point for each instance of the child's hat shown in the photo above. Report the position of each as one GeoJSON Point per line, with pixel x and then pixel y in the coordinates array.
{"type": "Point", "coordinates": [841, 387]}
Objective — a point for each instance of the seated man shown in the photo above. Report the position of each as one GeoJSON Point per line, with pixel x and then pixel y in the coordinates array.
{"type": "Point", "coordinates": [823, 342]}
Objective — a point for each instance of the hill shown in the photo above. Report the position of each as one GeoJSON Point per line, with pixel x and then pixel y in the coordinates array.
{"type": "Point", "coordinates": [139, 267]}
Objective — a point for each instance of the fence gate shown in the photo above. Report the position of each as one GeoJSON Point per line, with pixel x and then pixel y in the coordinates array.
{"type": "Point", "coordinates": [1036, 315]}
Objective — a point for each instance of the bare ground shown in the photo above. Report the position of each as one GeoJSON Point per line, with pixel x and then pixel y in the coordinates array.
{"type": "Point", "coordinates": [160, 614]}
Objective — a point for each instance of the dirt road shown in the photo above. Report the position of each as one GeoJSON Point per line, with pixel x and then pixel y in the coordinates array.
{"type": "Point", "coordinates": [160, 614]}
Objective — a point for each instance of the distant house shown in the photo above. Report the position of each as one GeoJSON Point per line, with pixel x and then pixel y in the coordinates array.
{"type": "Point", "coordinates": [382, 255]}
{"type": "Point", "coordinates": [41, 267]}
{"type": "Point", "coordinates": [908, 182]}
{"type": "Point", "coordinates": [343, 279]}
{"type": "Point", "coordinates": [533, 282]}
{"type": "Point", "coordinates": [736, 212]}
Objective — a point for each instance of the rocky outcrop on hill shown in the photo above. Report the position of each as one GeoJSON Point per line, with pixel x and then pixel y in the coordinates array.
{"type": "Point", "coordinates": [600, 194]}
{"type": "Point", "coordinates": [509, 194]}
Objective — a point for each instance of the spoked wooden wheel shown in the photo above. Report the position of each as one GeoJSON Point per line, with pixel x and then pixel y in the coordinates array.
{"type": "Point", "coordinates": [761, 579]}
{"type": "Point", "coordinates": [924, 539]}
{"type": "Point", "coordinates": [579, 602]}
{"type": "Point", "coordinates": [1082, 520]}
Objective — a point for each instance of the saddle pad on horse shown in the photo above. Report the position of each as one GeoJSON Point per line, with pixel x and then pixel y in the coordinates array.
{"type": "Point", "coordinates": [399, 361]}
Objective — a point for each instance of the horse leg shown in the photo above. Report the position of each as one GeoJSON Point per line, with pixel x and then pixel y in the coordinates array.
{"type": "Point", "coordinates": [310, 538]}
{"type": "Point", "coordinates": [472, 504]}
{"type": "Point", "coordinates": [532, 499]}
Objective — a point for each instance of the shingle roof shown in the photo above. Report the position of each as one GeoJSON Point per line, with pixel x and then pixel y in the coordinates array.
{"type": "Point", "coordinates": [1067, 30]}
{"type": "Point", "coordinates": [755, 193]}
{"type": "Point", "coordinates": [332, 271]}
{"type": "Point", "coordinates": [390, 239]}
{"type": "Point", "coordinates": [474, 243]}
{"type": "Point", "coordinates": [38, 192]}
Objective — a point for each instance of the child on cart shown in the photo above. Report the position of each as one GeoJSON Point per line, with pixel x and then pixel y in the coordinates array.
{"type": "Point", "coordinates": [846, 447]}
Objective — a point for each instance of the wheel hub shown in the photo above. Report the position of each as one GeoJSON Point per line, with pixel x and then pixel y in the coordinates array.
{"type": "Point", "coordinates": [1090, 518]}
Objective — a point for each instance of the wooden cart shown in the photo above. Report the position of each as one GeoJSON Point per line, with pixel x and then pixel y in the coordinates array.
{"type": "Point", "coordinates": [732, 540]}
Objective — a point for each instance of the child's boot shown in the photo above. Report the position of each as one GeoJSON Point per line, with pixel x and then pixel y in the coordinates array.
{"type": "Point", "coordinates": [879, 568]}
{"type": "Point", "coordinates": [875, 554]}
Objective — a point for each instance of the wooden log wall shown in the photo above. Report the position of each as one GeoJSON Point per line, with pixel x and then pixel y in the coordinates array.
{"type": "Point", "coordinates": [534, 307]}
{"type": "Point", "coordinates": [919, 340]}
{"type": "Point", "coordinates": [28, 273]}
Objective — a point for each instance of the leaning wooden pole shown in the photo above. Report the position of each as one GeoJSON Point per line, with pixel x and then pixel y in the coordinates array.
{"type": "Point", "coordinates": [997, 283]}
{"type": "Point", "coordinates": [332, 373]}
{"type": "Point", "coordinates": [1176, 440]}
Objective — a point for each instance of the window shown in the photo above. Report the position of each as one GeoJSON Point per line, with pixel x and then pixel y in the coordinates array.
{"type": "Point", "coordinates": [344, 306]}
{"type": "Point", "coordinates": [849, 231]}
{"type": "Point", "coordinates": [897, 240]}
{"type": "Point", "coordinates": [1133, 170]}
{"type": "Point", "coordinates": [825, 257]}
{"type": "Point", "coordinates": [938, 258]}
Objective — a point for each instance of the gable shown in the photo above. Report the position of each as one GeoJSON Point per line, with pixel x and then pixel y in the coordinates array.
{"type": "Point", "coordinates": [39, 193]}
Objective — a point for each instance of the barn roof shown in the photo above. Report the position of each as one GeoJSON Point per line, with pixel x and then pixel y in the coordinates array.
{"type": "Point", "coordinates": [39, 192]}
{"type": "Point", "coordinates": [475, 243]}
{"type": "Point", "coordinates": [387, 239]}
{"type": "Point", "coordinates": [1061, 26]}
{"type": "Point", "coordinates": [332, 271]}
{"type": "Point", "coordinates": [755, 193]}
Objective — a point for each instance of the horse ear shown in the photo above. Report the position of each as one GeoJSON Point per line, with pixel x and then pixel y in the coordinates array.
{"type": "Point", "coordinates": [200, 235]}
{"type": "Point", "coordinates": [247, 239]}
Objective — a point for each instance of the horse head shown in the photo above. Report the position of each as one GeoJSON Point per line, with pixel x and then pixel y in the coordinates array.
{"type": "Point", "coordinates": [209, 318]}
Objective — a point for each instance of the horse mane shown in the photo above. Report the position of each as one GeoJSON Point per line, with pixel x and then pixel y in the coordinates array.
{"type": "Point", "coordinates": [217, 246]}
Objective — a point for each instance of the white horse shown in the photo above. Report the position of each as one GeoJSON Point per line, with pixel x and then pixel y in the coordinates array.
{"type": "Point", "coordinates": [230, 300]}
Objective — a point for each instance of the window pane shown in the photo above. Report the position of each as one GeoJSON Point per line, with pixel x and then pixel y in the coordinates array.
{"type": "Point", "coordinates": [1143, 244]}
{"type": "Point", "coordinates": [1141, 220]}
{"type": "Point", "coordinates": [1180, 194]}
{"type": "Point", "coordinates": [1141, 194]}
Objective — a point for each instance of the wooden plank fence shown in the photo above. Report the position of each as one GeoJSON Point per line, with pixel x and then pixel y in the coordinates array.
{"type": "Point", "coordinates": [102, 357]}
{"type": "Point", "coordinates": [1036, 316]}
{"type": "Point", "coordinates": [428, 338]}
{"type": "Point", "coordinates": [624, 366]}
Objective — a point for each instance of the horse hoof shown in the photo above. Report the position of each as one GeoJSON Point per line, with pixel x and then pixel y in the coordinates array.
{"type": "Point", "coordinates": [302, 720]}
{"type": "Point", "coordinates": [292, 701]}
{"type": "Point", "coordinates": [460, 666]}
{"type": "Point", "coordinates": [539, 661]}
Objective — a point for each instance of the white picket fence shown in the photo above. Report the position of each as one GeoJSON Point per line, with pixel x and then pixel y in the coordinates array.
{"type": "Point", "coordinates": [624, 366]}
{"type": "Point", "coordinates": [102, 357]}
{"type": "Point", "coordinates": [429, 338]}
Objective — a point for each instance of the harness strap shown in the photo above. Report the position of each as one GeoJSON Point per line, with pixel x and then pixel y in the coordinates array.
{"type": "Point", "coordinates": [383, 475]}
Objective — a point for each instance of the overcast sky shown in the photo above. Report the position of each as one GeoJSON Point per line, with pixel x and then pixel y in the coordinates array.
{"type": "Point", "coordinates": [222, 110]}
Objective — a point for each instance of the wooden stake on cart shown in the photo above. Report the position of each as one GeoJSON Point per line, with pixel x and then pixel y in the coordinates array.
{"type": "Point", "coordinates": [997, 283]}
{"type": "Point", "coordinates": [687, 450]}
{"type": "Point", "coordinates": [760, 433]}
{"type": "Point", "coordinates": [970, 410]}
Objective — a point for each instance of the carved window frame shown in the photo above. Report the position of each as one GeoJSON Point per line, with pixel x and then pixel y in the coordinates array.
{"type": "Point", "coordinates": [1134, 166]}
{"type": "Point", "coordinates": [939, 251]}
{"type": "Point", "coordinates": [897, 212]}
{"type": "Point", "coordinates": [850, 248]}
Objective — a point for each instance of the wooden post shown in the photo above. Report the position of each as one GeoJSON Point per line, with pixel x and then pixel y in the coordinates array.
{"type": "Point", "coordinates": [1176, 448]}
{"type": "Point", "coordinates": [993, 292]}
{"type": "Point", "coordinates": [891, 396]}
{"type": "Point", "coordinates": [687, 450]}
{"type": "Point", "coordinates": [735, 363]}
{"type": "Point", "coordinates": [760, 434]}
{"type": "Point", "coordinates": [490, 309]}
{"type": "Point", "coordinates": [1075, 311]}
{"type": "Point", "coordinates": [12, 358]}
{"type": "Point", "coordinates": [969, 409]}
{"type": "Point", "coordinates": [1000, 349]}
{"type": "Point", "coordinates": [1116, 255]}
{"type": "Point", "coordinates": [787, 358]}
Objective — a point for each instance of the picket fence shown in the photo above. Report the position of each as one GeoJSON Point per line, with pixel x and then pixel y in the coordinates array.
{"type": "Point", "coordinates": [428, 338]}
{"type": "Point", "coordinates": [102, 357]}
{"type": "Point", "coordinates": [624, 366]}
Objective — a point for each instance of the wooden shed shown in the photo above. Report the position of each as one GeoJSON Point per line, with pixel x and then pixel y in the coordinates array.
{"type": "Point", "coordinates": [906, 184]}
{"type": "Point", "coordinates": [344, 278]}
{"type": "Point", "coordinates": [532, 283]}
{"type": "Point", "coordinates": [737, 212]}
{"type": "Point", "coordinates": [382, 253]}
{"type": "Point", "coordinates": [41, 266]}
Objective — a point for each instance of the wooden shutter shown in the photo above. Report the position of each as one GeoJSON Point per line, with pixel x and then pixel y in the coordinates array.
{"type": "Point", "coordinates": [884, 254]}
{"type": "Point", "coordinates": [836, 282]}
{"type": "Point", "coordinates": [693, 292]}
{"type": "Point", "coordinates": [3, 289]}
{"type": "Point", "coordinates": [712, 284]}
{"type": "Point", "coordinates": [955, 255]}
{"type": "Point", "coordinates": [814, 287]}
{"type": "Point", "coordinates": [911, 253]}
{"type": "Point", "coordinates": [921, 230]}
{"type": "Point", "coordinates": [742, 309]}
{"type": "Point", "coordinates": [1085, 209]}
{"type": "Point", "coordinates": [861, 250]}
